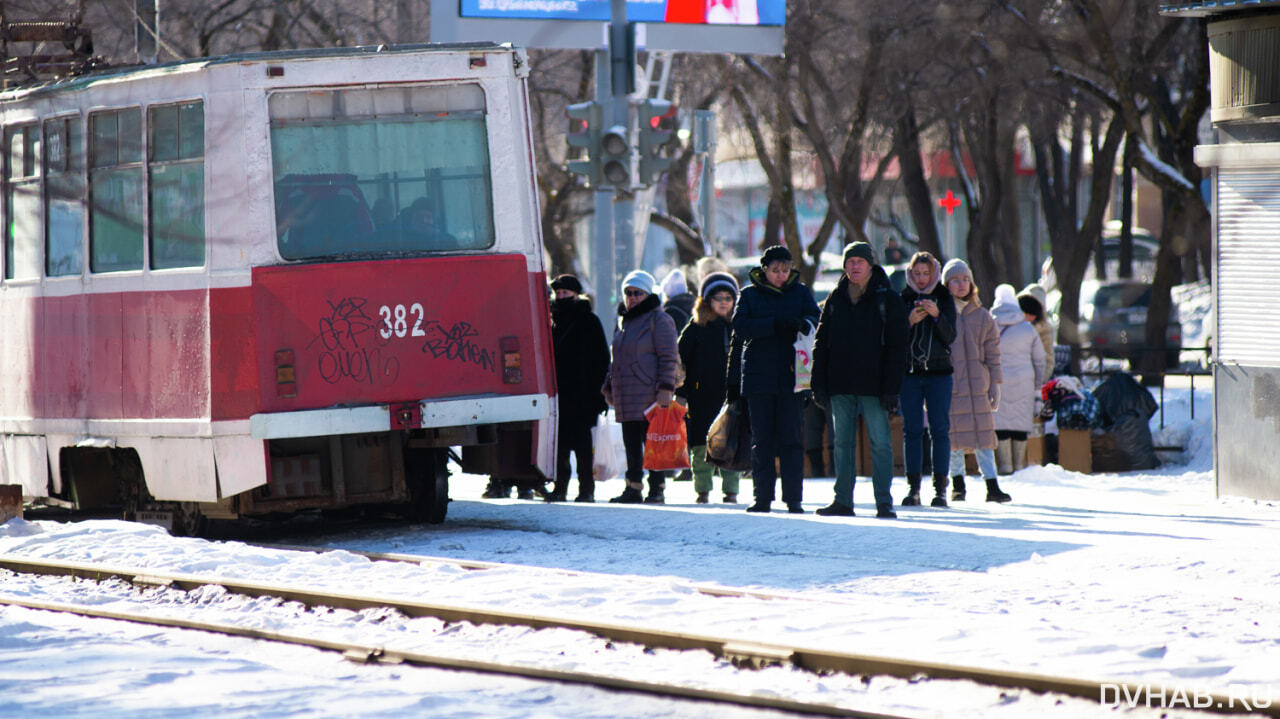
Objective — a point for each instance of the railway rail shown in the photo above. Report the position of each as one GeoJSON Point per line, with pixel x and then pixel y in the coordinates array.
{"type": "Point", "coordinates": [739, 651]}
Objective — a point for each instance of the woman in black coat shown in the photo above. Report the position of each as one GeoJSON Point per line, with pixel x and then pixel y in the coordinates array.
{"type": "Point", "coordinates": [771, 312]}
{"type": "Point", "coordinates": [704, 350]}
{"type": "Point", "coordinates": [927, 383]}
{"type": "Point", "coordinates": [582, 361]}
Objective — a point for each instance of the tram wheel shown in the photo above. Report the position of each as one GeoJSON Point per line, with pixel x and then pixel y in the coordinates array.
{"type": "Point", "coordinates": [426, 473]}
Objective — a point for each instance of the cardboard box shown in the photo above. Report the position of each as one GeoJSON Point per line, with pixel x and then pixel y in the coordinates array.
{"type": "Point", "coordinates": [1035, 450]}
{"type": "Point", "coordinates": [1075, 450]}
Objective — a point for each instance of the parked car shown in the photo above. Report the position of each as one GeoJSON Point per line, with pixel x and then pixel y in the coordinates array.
{"type": "Point", "coordinates": [1145, 247]}
{"type": "Point", "coordinates": [1113, 320]}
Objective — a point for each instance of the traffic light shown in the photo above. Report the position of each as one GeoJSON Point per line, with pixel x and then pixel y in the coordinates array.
{"type": "Point", "coordinates": [615, 157]}
{"type": "Point", "coordinates": [656, 123]}
{"type": "Point", "coordinates": [585, 119]}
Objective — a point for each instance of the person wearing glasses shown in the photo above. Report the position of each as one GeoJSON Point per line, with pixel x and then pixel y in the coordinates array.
{"type": "Point", "coordinates": [772, 311]}
{"type": "Point", "coordinates": [704, 350]}
{"type": "Point", "coordinates": [975, 392]}
{"type": "Point", "coordinates": [643, 372]}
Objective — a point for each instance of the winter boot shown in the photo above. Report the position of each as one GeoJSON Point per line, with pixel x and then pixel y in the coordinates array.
{"type": "Point", "coordinates": [1004, 457]}
{"type": "Point", "coordinates": [994, 494]}
{"type": "Point", "coordinates": [524, 493]}
{"type": "Point", "coordinates": [703, 497]}
{"type": "Point", "coordinates": [835, 509]}
{"type": "Point", "coordinates": [957, 491]}
{"type": "Point", "coordinates": [630, 495]}
{"type": "Point", "coordinates": [655, 492]}
{"type": "Point", "coordinates": [497, 489]}
{"type": "Point", "coordinates": [730, 498]}
{"type": "Point", "coordinates": [913, 492]}
{"type": "Point", "coordinates": [794, 508]}
{"type": "Point", "coordinates": [939, 491]}
{"type": "Point", "coordinates": [557, 494]}
{"type": "Point", "coordinates": [1019, 454]}
{"type": "Point", "coordinates": [588, 498]}
{"type": "Point", "coordinates": [760, 506]}
{"type": "Point", "coordinates": [586, 489]}
{"type": "Point", "coordinates": [885, 511]}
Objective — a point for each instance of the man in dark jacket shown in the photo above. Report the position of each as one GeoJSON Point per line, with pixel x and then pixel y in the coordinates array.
{"type": "Point", "coordinates": [859, 357]}
{"type": "Point", "coordinates": [582, 362]}
{"type": "Point", "coordinates": [771, 312]}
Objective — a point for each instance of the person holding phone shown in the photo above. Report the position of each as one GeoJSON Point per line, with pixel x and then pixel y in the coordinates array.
{"type": "Point", "coordinates": [927, 383]}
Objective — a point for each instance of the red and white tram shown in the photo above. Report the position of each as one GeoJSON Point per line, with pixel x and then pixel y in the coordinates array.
{"type": "Point", "coordinates": [250, 284]}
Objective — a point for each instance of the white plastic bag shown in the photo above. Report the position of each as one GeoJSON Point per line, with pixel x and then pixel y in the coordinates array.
{"type": "Point", "coordinates": [804, 359]}
{"type": "Point", "coordinates": [610, 455]}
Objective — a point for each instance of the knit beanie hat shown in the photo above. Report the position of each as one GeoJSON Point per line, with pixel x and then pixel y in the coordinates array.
{"type": "Point", "coordinates": [955, 267]}
{"type": "Point", "coordinates": [860, 249]}
{"type": "Point", "coordinates": [717, 281]}
{"type": "Point", "coordinates": [1034, 290]}
{"type": "Point", "coordinates": [640, 280]}
{"type": "Point", "coordinates": [776, 253]}
{"type": "Point", "coordinates": [567, 282]}
{"type": "Point", "coordinates": [674, 284]}
{"type": "Point", "coordinates": [1005, 295]}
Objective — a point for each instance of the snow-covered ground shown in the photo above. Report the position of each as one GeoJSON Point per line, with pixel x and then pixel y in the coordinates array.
{"type": "Point", "coordinates": [1142, 577]}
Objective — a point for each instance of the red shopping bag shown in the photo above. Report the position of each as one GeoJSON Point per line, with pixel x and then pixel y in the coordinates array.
{"type": "Point", "coordinates": [666, 444]}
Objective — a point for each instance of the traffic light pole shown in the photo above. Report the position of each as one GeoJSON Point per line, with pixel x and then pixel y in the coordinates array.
{"type": "Point", "coordinates": [602, 253]}
{"type": "Point", "coordinates": [622, 60]}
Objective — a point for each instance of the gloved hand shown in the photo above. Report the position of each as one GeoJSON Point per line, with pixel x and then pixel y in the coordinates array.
{"type": "Point", "coordinates": [889, 402]}
{"type": "Point", "coordinates": [664, 397]}
{"type": "Point", "coordinates": [821, 398]}
{"type": "Point", "coordinates": [786, 327]}
{"type": "Point", "coordinates": [993, 394]}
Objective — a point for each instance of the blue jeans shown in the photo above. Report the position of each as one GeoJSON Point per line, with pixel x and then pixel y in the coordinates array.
{"type": "Point", "coordinates": [986, 462]}
{"type": "Point", "coordinates": [918, 393]}
{"type": "Point", "coordinates": [845, 409]}
{"type": "Point", "coordinates": [775, 432]}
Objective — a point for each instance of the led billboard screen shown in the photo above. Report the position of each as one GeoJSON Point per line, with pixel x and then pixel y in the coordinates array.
{"type": "Point", "coordinates": [715, 12]}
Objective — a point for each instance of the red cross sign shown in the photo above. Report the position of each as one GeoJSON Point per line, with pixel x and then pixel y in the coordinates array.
{"type": "Point", "coordinates": [951, 202]}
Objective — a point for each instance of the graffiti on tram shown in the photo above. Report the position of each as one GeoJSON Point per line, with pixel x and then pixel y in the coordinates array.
{"type": "Point", "coordinates": [352, 339]}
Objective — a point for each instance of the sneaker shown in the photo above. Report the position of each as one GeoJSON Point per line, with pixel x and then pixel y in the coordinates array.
{"type": "Point", "coordinates": [703, 498]}
{"type": "Point", "coordinates": [730, 499]}
{"type": "Point", "coordinates": [794, 508]}
{"type": "Point", "coordinates": [835, 509]}
{"type": "Point", "coordinates": [885, 511]}
{"type": "Point", "coordinates": [762, 507]}
{"type": "Point", "coordinates": [630, 495]}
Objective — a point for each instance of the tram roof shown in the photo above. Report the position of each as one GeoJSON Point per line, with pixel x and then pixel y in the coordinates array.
{"type": "Point", "coordinates": [81, 81]}
{"type": "Point", "coordinates": [1207, 8]}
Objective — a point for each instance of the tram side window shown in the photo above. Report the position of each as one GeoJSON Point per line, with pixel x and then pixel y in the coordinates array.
{"type": "Point", "coordinates": [386, 170]}
{"type": "Point", "coordinates": [116, 187]}
{"type": "Point", "coordinates": [177, 184]}
{"type": "Point", "coordinates": [64, 191]}
{"type": "Point", "coordinates": [22, 233]}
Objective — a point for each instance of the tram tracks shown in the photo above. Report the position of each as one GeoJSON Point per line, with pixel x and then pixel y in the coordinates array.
{"type": "Point", "coordinates": [739, 651]}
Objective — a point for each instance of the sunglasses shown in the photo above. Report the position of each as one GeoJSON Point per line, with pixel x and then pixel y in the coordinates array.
{"type": "Point", "coordinates": [634, 293]}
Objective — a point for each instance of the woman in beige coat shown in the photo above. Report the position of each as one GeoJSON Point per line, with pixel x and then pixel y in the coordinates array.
{"type": "Point", "coordinates": [975, 394]}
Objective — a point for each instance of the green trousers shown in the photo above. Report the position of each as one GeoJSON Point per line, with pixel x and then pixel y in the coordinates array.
{"type": "Point", "coordinates": [702, 471]}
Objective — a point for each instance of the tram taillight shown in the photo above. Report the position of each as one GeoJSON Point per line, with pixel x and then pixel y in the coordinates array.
{"type": "Point", "coordinates": [286, 378]}
{"type": "Point", "coordinates": [511, 360]}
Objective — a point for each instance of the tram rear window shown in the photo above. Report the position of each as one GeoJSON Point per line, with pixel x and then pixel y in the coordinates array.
{"type": "Point", "coordinates": [381, 170]}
